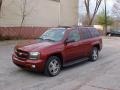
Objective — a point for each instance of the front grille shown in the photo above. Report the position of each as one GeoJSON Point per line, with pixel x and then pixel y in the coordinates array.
{"type": "Point", "coordinates": [23, 55]}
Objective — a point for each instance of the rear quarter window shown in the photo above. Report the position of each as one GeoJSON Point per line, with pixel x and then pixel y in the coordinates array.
{"type": "Point", "coordinates": [85, 33]}
{"type": "Point", "coordinates": [94, 32]}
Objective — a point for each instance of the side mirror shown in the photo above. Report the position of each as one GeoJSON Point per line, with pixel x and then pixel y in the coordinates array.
{"type": "Point", "coordinates": [69, 41]}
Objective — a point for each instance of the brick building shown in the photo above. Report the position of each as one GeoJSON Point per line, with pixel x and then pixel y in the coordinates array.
{"type": "Point", "coordinates": [34, 16]}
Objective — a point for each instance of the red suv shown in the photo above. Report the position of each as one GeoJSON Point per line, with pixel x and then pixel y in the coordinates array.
{"type": "Point", "coordinates": [57, 48]}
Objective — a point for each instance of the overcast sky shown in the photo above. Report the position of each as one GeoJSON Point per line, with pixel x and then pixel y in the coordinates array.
{"type": "Point", "coordinates": [109, 6]}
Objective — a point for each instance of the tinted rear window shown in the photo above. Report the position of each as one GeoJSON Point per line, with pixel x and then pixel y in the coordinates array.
{"type": "Point", "coordinates": [85, 34]}
{"type": "Point", "coordinates": [94, 32]}
{"type": "Point", "coordinates": [88, 33]}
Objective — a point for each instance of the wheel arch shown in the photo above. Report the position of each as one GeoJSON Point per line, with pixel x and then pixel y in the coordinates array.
{"type": "Point", "coordinates": [97, 46]}
{"type": "Point", "coordinates": [58, 54]}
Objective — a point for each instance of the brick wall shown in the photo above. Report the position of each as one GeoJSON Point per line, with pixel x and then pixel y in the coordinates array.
{"type": "Point", "coordinates": [24, 32]}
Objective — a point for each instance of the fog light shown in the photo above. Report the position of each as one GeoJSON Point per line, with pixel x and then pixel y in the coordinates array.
{"type": "Point", "coordinates": [33, 66]}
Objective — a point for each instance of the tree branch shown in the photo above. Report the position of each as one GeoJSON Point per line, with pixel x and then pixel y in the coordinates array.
{"type": "Point", "coordinates": [89, 15]}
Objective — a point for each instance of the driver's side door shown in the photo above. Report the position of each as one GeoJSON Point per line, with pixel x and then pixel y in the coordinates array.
{"type": "Point", "coordinates": [73, 49]}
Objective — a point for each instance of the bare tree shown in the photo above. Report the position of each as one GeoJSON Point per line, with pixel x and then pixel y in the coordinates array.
{"type": "Point", "coordinates": [26, 11]}
{"type": "Point", "coordinates": [116, 9]}
{"type": "Point", "coordinates": [23, 15]}
{"type": "Point", "coordinates": [0, 4]}
{"type": "Point", "coordinates": [89, 15]}
{"type": "Point", "coordinates": [23, 11]}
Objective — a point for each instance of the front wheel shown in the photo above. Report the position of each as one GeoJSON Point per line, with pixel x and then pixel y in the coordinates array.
{"type": "Point", "coordinates": [94, 54]}
{"type": "Point", "coordinates": [53, 66]}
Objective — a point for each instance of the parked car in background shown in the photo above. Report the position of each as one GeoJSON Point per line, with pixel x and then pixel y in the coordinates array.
{"type": "Point", "coordinates": [57, 48]}
{"type": "Point", "coordinates": [113, 32]}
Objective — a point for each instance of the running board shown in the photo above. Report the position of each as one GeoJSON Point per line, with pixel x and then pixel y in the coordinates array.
{"type": "Point", "coordinates": [75, 62]}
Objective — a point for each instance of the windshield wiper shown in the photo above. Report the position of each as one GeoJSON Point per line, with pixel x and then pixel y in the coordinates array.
{"type": "Point", "coordinates": [46, 39]}
{"type": "Point", "coordinates": [40, 38]}
{"type": "Point", "coordinates": [49, 40]}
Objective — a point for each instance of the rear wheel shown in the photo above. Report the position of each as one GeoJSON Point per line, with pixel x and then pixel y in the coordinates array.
{"type": "Point", "coordinates": [109, 34]}
{"type": "Point", "coordinates": [53, 66]}
{"type": "Point", "coordinates": [94, 54]}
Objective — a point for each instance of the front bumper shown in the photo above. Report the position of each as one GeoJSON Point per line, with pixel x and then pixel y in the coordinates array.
{"type": "Point", "coordinates": [31, 65]}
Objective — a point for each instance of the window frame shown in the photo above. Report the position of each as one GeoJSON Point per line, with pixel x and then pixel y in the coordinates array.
{"type": "Point", "coordinates": [85, 33]}
{"type": "Point", "coordinates": [94, 33]}
{"type": "Point", "coordinates": [77, 32]}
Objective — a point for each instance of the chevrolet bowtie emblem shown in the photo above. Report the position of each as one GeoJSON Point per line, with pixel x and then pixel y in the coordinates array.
{"type": "Point", "coordinates": [20, 53]}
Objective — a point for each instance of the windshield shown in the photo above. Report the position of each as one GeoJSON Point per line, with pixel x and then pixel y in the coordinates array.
{"type": "Point", "coordinates": [53, 35]}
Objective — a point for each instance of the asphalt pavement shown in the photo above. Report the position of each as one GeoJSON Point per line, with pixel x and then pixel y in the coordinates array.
{"type": "Point", "coordinates": [103, 74]}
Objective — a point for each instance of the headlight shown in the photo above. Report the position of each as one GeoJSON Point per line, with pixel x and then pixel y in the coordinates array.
{"type": "Point", "coordinates": [34, 55]}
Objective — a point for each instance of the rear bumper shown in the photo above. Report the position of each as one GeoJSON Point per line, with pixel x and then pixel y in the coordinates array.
{"type": "Point", "coordinates": [31, 65]}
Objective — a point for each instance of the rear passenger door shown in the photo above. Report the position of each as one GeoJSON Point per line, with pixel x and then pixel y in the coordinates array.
{"type": "Point", "coordinates": [86, 41]}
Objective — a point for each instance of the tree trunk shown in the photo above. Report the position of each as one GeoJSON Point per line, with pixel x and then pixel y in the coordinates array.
{"type": "Point", "coordinates": [90, 17]}
{"type": "Point", "coordinates": [0, 5]}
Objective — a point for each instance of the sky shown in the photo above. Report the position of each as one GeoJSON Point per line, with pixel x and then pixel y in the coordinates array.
{"type": "Point", "coordinates": [109, 6]}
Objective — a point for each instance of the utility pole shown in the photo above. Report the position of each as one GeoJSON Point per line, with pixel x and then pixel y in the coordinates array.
{"type": "Point", "coordinates": [105, 17]}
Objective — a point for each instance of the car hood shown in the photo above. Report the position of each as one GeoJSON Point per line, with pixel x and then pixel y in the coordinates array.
{"type": "Point", "coordinates": [34, 45]}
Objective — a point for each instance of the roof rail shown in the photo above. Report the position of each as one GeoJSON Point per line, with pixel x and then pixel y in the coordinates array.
{"type": "Point", "coordinates": [64, 27]}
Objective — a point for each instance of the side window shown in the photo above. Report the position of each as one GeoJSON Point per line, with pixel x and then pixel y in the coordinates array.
{"type": "Point", "coordinates": [85, 33]}
{"type": "Point", "coordinates": [74, 35]}
{"type": "Point", "coordinates": [94, 33]}
{"type": "Point", "coordinates": [97, 33]}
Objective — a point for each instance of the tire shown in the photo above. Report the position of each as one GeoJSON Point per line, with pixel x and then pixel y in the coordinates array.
{"type": "Point", "coordinates": [110, 35]}
{"type": "Point", "coordinates": [94, 54]}
{"type": "Point", "coordinates": [53, 66]}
